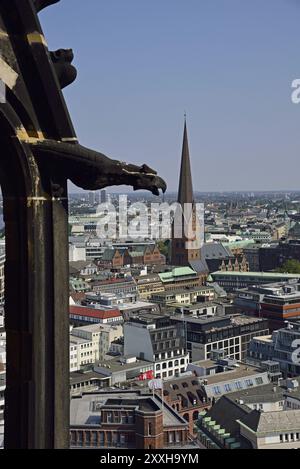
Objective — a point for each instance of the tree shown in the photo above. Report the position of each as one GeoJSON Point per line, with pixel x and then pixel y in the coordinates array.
{"type": "Point", "coordinates": [164, 247]}
{"type": "Point", "coordinates": [291, 266]}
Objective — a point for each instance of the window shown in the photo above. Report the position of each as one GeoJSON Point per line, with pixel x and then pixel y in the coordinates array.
{"type": "Point", "coordinates": [259, 381]}
{"type": "Point", "coordinates": [80, 438]}
{"type": "Point", "coordinates": [73, 439]}
{"type": "Point", "coordinates": [88, 438]}
{"type": "Point", "coordinates": [227, 387]}
{"type": "Point", "coordinates": [217, 390]}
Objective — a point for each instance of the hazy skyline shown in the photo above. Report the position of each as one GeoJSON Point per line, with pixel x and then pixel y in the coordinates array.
{"type": "Point", "coordinates": [228, 64]}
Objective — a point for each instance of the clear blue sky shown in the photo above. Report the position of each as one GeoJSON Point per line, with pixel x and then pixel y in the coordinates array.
{"type": "Point", "coordinates": [228, 63]}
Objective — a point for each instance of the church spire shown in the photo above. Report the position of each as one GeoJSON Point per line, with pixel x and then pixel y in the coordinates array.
{"type": "Point", "coordinates": [185, 246]}
{"type": "Point", "coordinates": [185, 191]}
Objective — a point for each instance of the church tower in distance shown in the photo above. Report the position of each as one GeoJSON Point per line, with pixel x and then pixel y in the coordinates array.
{"type": "Point", "coordinates": [186, 248]}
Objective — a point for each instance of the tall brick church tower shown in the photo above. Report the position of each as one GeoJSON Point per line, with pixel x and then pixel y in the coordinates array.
{"type": "Point", "coordinates": [186, 249]}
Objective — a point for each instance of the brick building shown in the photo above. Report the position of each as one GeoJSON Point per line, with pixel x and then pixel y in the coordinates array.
{"type": "Point", "coordinates": [125, 420]}
{"type": "Point", "coordinates": [274, 256]}
{"type": "Point", "coordinates": [117, 286]}
{"type": "Point", "coordinates": [117, 258]}
{"type": "Point", "coordinates": [186, 397]}
{"type": "Point", "coordinates": [146, 255]}
{"type": "Point", "coordinates": [114, 258]}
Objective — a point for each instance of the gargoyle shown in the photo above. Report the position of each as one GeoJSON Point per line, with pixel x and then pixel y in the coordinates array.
{"type": "Point", "coordinates": [65, 71]}
{"type": "Point", "coordinates": [84, 167]}
{"type": "Point", "coordinates": [92, 170]}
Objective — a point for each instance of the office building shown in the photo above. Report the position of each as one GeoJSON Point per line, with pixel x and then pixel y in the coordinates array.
{"type": "Point", "coordinates": [232, 281]}
{"type": "Point", "coordinates": [230, 334]}
{"type": "Point", "coordinates": [158, 339]}
{"type": "Point", "coordinates": [282, 347]}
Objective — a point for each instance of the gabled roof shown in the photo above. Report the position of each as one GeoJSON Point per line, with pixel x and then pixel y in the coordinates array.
{"type": "Point", "coordinates": [200, 266]}
{"type": "Point", "coordinates": [265, 422]}
{"type": "Point", "coordinates": [226, 412]}
{"type": "Point", "coordinates": [215, 251]}
{"type": "Point", "coordinates": [108, 255]}
{"type": "Point", "coordinates": [77, 296]}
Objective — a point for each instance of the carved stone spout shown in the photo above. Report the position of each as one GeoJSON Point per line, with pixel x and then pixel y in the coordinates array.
{"type": "Point", "coordinates": [92, 170]}
{"type": "Point", "coordinates": [65, 71]}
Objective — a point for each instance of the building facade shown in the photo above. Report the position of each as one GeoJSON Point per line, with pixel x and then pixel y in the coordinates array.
{"type": "Point", "coordinates": [232, 281]}
{"type": "Point", "coordinates": [130, 420]}
{"type": "Point", "coordinates": [231, 335]}
{"type": "Point", "coordinates": [157, 339]}
{"type": "Point", "coordinates": [283, 346]}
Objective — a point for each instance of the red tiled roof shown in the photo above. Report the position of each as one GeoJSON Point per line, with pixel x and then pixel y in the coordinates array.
{"type": "Point", "coordinates": [94, 313]}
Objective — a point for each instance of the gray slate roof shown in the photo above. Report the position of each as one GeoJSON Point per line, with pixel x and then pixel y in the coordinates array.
{"type": "Point", "coordinates": [268, 422]}
{"type": "Point", "coordinates": [215, 251]}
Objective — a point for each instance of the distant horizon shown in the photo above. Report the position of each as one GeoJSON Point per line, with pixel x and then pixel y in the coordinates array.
{"type": "Point", "coordinates": [128, 192]}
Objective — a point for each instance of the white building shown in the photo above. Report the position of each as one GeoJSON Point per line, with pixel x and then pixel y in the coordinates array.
{"type": "Point", "coordinates": [85, 248]}
{"type": "Point", "coordinates": [157, 339]}
{"type": "Point", "coordinates": [82, 353]}
{"type": "Point", "coordinates": [100, 335]}
{"type": "Point", "coordinates": [272, 430]}
{"type": "Point", "coordinates": [77, 252]}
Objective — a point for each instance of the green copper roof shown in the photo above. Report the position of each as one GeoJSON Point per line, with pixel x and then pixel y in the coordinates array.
{"type": "Point", "coordinates": [176, 272]}
{"type": "Point", "coordinates": [239, 244]}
